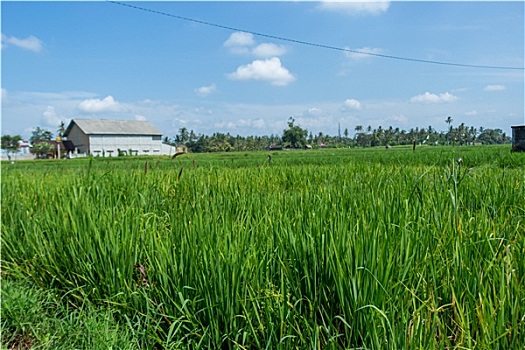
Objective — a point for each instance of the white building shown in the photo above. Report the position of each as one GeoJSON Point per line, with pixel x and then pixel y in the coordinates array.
{"type": "Point", "coordinates": [23, 152]}
{"type": "Point", "coordinates": [109, 138]}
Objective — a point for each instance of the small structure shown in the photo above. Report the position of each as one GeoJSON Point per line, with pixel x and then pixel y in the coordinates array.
{"type": "Point", "coordinates": [24, 147]}
{"type": "Point", "coordinates": [274, 147]}
{"type": "Point", "coordinates": [23, 152]}
{"type": "Point", "coordinates": [518, 138]}
{"type": "Point", "coordinates": [64, 147]}
{"type": "Point", "coordinates": [111, 138]}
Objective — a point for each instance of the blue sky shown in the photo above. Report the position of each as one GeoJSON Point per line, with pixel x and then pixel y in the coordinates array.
{"type": "Point", "coordinates": [64, 60]}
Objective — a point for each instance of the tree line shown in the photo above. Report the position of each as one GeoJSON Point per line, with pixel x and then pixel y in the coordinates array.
{"type": "Point", "coordinates": [294, 136]}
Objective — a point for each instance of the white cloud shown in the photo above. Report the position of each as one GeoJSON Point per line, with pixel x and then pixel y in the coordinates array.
{"type": "Point", "coordinates": [314, 122]}
{"type": "Point", "coordinates": [314, 111]}
{"type": "Point", "coordinates": [53, 97]}
{"type": "Point", "coordinates": [362, 53]}
{"type": "Point", "coordinates": [108, 104]}
{"type": "Point", "coordinates": [30, 43]}
{"type": "Point", "coordinates": [240, 39]}
{"type": "Point", "coordinates": [240, 42]}
{"type": "Point", "coordinates": [398, 118]}
{"type": "Point", "coordinates": [471, 113]}
{"type": "Point", "coordinates": [354, 8]}
{"type": "Point", "coordinates": [428, 97]}
{"type": "Point", "coordinates": [51, 117]}
{"type": "Point", "coordinates": [494, 88]}
{"type": "Point", "coordinates": [352, 104]}
{"type": "Point", "coordinates": [25, 111]}
{"type": "Point", "coordinates": [140, 117]}
{"type": "Point", "coordinates": [206, 90]}
{"type": "Point", "coordinates": [269, 70]}
{"type": "Point", "coordinates": [202, 110]}
{"type": "Point", "coordinates": [181, 121]}
{"type": "Point", "coordinates": [268, 50]}
{"type": "Point", "coordinates": [4, 96]}
{"type": "Point", "coordinates": [244, 43]}
{"type": "Point", "coordinates": [257, 123]}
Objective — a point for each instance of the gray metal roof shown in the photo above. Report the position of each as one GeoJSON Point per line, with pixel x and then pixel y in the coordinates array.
{"type": "Point", "coordinates": [114, 127]}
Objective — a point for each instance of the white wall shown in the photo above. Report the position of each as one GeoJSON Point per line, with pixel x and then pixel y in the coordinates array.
{"type": "Point", "coordinates": [108, 145]}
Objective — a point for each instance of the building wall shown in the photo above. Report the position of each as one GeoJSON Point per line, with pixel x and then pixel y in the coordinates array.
{"type": "Point", "coordinates": [79, 139]}
{"type": "Point", "coordinates": [108, 145]}
{"type": "Point", "coordinates": [518, 138]}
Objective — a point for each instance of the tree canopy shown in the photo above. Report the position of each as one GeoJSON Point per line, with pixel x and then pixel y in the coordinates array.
{"type": "Point", "coordinates": [10, 144]}
{"type": "Point", "coordinates": [40, 134]}
{"type": "Point", "coordinates": [295, 135]}
{"type": "Point", "coordinates": [42, 149]}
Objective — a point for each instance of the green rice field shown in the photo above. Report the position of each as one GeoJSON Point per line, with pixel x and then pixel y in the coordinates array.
{"type": "Point", "coordinates": [323, 249]}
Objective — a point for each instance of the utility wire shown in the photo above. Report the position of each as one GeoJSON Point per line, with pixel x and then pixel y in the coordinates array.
{"type": "Point", "coordinates": [323, 46]}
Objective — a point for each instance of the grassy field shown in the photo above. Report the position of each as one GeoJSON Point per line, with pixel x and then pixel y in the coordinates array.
{"type": "Point", "coordinates": [325, 249]}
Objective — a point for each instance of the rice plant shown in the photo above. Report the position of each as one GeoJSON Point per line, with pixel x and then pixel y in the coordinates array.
{"type": "Point", "coordinates": [333, 249]}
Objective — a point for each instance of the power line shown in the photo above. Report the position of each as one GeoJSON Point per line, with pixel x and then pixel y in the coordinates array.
{"type": "Point", "coordinates": [323, 46]}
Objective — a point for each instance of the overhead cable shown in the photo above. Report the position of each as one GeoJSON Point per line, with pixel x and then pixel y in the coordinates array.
{"type": "Point", "coordinates": [323, 46]}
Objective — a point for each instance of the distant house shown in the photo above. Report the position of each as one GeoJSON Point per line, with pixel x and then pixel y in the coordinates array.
{"type": "Point", "coordinates": [110, 138]}
{"type": "Point", "coordinates": [274, 147]}
{"type": "Point", "coordinates": [24, 147]}
{"type": "Point", "coordinates": [23, 152]}
{"type": "Point", "coordinates": [64, 147]}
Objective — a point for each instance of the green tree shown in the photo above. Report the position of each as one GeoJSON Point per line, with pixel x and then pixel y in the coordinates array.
{"type": "Point", "coordinates": [41, 149]}
{"type": "Point", "coordinates": [295, 135]}
{"type": "Point", "coordinates": [493, 136]}
{"type": "Point", "coordinates": [40, 134]}
{"type": "Point", "coordinates": [10, 144]}
{"type": "Point", "coordinates": [184, 136]}
{"type": "Point", "coordinates": [61, 129]}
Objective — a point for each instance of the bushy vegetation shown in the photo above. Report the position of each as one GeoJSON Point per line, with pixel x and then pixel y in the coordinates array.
{"type": "Point", "coordinates": [331, 249]}
{"type": "Point", "coordinates": [294, 136]}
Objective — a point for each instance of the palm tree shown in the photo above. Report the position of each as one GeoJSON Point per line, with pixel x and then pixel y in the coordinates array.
{"type": "Point", "coordinates": [183, 135]}
{"type": "Point", "coordinates": [192, 136]}
{"type": "Point", "coordinates": [449, 120]}
{"type": "Point", "coordinates": [61, 128]}
{"type": "Point", "coordinates": [358, 128]}
{"type": "Point", "coordinates": [320, 137]}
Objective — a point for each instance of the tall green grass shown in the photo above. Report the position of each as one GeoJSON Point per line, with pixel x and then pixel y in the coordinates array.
{"type": "Point", "coordinates": [36, 318]}
{"type": "Point", "coordinates": [333, 249]}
